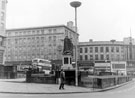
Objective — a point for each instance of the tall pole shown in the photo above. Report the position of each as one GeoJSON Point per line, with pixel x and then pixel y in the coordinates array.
{"type": "Point", "coordinates": [76, 20]}
{"type": "Point", "coordinates": [76, 4]}
{"type": "Point", "coordinates": [76, 52]}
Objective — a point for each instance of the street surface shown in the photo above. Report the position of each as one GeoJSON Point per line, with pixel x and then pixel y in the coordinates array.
{"type": "Point", "coordinates": [126, 91]}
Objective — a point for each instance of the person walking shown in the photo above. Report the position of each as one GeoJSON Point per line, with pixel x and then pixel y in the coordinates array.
{"type": "Point", "coordinates": [62, 79]}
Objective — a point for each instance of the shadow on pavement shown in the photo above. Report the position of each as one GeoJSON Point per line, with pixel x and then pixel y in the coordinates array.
{"type": "Point", "coordinates": [16, 81]}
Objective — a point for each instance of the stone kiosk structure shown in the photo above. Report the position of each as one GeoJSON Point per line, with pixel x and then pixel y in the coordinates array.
{"type": "Point", "coordinates": [67, 61]}
{"type": "Point", "coordinates": [67, 54]}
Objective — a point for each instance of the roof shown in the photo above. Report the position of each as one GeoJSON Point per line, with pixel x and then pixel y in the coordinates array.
{"type": "Point", "coordinates": [101, 43]}
{"type": "Point", "coordinates": [40, 27]}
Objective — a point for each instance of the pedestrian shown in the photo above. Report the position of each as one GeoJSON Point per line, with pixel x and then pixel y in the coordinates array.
{"type": "Point", "coordinates": [62, 79]}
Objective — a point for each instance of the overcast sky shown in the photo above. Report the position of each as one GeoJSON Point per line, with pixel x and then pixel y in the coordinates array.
{"type": "Point", "coordinates": [101, 20]}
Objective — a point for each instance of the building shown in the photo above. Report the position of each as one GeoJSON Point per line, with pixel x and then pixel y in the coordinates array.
{"type": "Point", "coordinates": [24, 44]}
{"type": "Point", "coordinates": [2, 17]}
{"type": "Point", "coordinates": [103, 51]}
{"type": "Point", "coordinates": [2, 28]}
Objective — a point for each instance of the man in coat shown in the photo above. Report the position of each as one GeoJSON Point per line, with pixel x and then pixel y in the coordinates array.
{"type": "Point", "coordinates": [62, 79]}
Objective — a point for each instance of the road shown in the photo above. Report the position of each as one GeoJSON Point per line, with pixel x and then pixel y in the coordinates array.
{"type": "Point", "coordinates": [126, 91]}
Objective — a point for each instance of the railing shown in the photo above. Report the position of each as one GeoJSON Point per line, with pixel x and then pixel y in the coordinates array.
{"type": "Point", "coordinates": [104, 81]}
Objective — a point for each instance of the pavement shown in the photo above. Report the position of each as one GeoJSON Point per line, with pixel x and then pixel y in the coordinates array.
{"type": "Point", "coordinates": [19, 86]}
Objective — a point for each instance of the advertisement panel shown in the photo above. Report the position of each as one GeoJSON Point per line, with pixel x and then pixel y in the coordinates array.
{"type": "Point", "coordinates": [102, 64]}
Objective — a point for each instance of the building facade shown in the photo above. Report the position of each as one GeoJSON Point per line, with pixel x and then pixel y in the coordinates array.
{"type": "Point", "coordinates": [2, 28]}
{"type": "Point", "coordinates": [24, 44]}
{"type": "Point", "coordinates": [114, 51]}
{"type": "Point", "coordinates": [2, 16]}
{"type": "Point", "coordinates": [105, 50]}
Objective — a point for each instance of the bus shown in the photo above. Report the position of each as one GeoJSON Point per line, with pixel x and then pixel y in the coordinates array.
{"type": "Point", "coordinates": [42, 65]}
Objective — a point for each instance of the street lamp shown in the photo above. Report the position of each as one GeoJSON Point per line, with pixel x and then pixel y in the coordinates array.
{"type": "Point", "coordinates": [76, 4]}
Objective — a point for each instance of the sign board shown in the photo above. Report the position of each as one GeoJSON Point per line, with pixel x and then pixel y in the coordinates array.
{"type": "Point", "coordinates": [102, 64]}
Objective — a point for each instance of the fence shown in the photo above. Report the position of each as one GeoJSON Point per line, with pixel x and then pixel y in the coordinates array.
{"type": "Point", "coordinates": [104, 81]}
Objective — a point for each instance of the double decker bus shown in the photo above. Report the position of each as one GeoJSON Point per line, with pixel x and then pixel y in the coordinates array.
{"type": "Point", "coordinates": [42, 65]}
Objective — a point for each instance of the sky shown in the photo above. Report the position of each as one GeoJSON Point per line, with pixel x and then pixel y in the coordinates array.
{"type": "Point", "coordinates": [100, 20]}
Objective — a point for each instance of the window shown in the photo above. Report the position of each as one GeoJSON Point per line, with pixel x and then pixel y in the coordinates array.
{"type": "Point", "coordinates": [33, 32]}
{"type": "Point", "coordinates": [86, 57]}
{"type": "Point", "coordinates": [24, 32]}
{"type": "Point", "coordinates": [42, 38]}
{"type": "Point", "coordinates": [96, 49]}
{"type": "Point", "coordinates": [81, 50]}
{"type": "Point", "coordinates": [54, 44]}
{"type": "Point", "coordinates": [38, 32]}
{"type": "Point", "coordinates": [2, 27]}
{"type": "Point", "coordinates": [86, 50]}
{"type": "Point", "coordinates": [3, 4]}
{"type": "Point", "coordinates": [50, 38]}
{"type": "Point", "coordinates": [107, 57]}
{"type": "Point", "coordinates": [65, 60]}
{"type": "Point", "coordinates": [91, 57]}
{"type": "Point", "coordinates": [123, 57]}
{"type": "Point", "coordinates": [117, 49]}
{"type": "Point", "coordinates": [66, 33]}
{"type": "Point", "coordinates": [54, 38]}
{"type": "Point", "coordinates": [33, 38]}
{"type": "Point", "coordinates": [101, 49]}
{"type": "Point", "coordinates": [102, 57]}
{"type": "Point", "coordinates": [2, 16]}
{"type": "Point", "coordinates": [16, 33]}
{"type": "Point", "coordinates": [49, 45]}
{"type": "Point", "coordinates": [112, 57]}
{"type": "Point", "coordinates": [81, 57]}
{"type": "Point", "coordinates": [37, 38]}
{"type": "Point", "coordinates": [29, 32]}
{"type": "Point", "coordinates": [70, 61]}
{"type": "Point", "coordinates": [54, 30]}
{"type": "Point", "coordinates": [16, 41]}
{"type": "Point", "coordinates": [91, 49]}
{"type": "Point", "coordinates": [42, 31]}
{"type": "Point", "coordinates": [1, 41]}
{"type": "Point", "coordinates": [118, 57]}
{"type": "Point", "coordinates": [50, 30]}
{"type": "Point", "coordinates": [107, 49]}
{"type": "Point", "coordinates": [112, 49]}
{"type": "Point", "coordinates": [96, 57]}
{"type": "Point", "coordinates": [20, 33]}
{"type": "Point", "coordinates": [122, 49]}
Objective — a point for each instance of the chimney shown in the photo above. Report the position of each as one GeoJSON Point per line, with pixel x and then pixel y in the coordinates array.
{"type": "Point", "coordinates": [70, 24]}
{"type": "Point", "coordinates": [90, 40]}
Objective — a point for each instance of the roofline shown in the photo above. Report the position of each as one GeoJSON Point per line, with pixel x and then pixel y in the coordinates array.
{"type": "Point", "coordinates": [39, 27]}
{"type": "Point", "coordinates": [36, 27]}
{"type": "Point", "coordinates": [95, 43]}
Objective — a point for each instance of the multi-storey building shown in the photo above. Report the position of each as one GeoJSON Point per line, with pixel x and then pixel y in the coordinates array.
{"type": "Point", "coordinates": [94, 51]}
{"type": "Point", "coordinates": [2, 28]}
{"type": "Point", "coordinates": [105, 50]}
{"type": "Point", "coordinates": [24, 44]}
{"type": "Point", "coordinates": [2, 16]}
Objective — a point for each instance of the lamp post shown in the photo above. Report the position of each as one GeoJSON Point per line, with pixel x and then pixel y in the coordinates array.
{"type": "Point", "coordinates": [76, 4]}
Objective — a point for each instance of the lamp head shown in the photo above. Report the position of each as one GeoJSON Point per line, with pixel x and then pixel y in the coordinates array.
{"type": "Point", "coordinates": [75, 4]}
